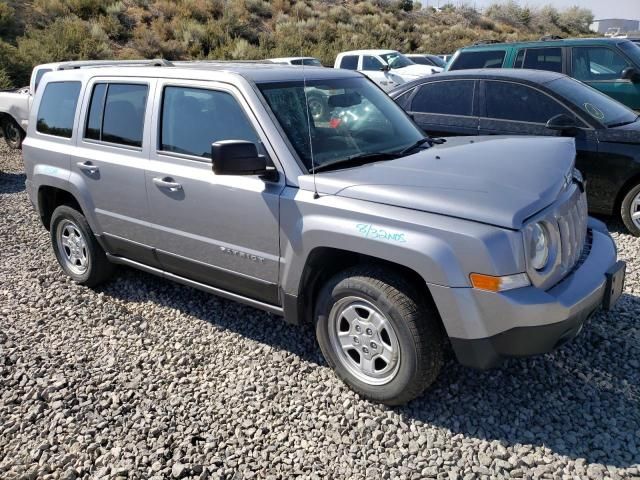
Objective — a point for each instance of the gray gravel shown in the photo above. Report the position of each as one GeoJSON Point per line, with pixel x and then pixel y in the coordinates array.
{"type": "Point", "coordinates": [145, 378]}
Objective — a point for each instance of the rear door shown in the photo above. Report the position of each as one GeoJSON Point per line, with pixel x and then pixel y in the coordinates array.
{"type": "Point", "coordinates": [220, 230]}
{"type": "Point", "coordinates": [446, 108]}
{"type": "Point", "coordinates": [601, 67]}
{"type": "Point", "coordinates": [111, 156]}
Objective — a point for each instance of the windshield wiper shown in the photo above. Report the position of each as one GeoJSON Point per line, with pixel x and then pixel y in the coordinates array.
{"type": "Point", "coordinates": [419, 143]}
{"type": "Point", "coordinates": [356, 160]}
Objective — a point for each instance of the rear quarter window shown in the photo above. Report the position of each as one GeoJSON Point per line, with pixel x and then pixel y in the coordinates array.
{"type": "Point", "coordinates": [350, 62]}
{"type": "Point", "coordinates": [58, 108]}
{"type": "Point", "coordinates": [483, 59]}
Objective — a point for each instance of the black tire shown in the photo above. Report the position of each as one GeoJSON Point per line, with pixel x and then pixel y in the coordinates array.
{"type": "Point", "coordinates": [98, 269]}
{"type": "Point", "coordinates": [628, 209]}
{"type": "Point", "coordinates": [416, 324]}
{"type": "Point", "coordinates": [13, 133]}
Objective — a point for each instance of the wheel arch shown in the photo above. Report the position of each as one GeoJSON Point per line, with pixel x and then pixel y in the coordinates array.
{"type": "Point", "coordinates": [622, 192]}
{"type": "Point", "coordinates": [322, 263]}
{"type": "Point", "coordinates": [49, 198]}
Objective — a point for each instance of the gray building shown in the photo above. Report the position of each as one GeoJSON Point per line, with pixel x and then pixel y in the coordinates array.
{"type": "Point", "coordinates": [615, 26]}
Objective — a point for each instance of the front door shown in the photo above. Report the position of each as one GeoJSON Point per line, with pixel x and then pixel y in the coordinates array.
{"type": "Point", "coordinates": [510, 108]}
{"type": "Point", "coordinates": [220, 230]}
{"type": "Point", "coordinates": [601, 67]}
{"type": "Point", "coordinates": [111, 157]}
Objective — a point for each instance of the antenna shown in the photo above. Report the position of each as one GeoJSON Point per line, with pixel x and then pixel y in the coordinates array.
{"type": "Point", "coordinates": [306, 108]}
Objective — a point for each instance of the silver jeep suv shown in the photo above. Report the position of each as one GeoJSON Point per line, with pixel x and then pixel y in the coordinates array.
{"type": "Point", "coordinates": [217, 176]}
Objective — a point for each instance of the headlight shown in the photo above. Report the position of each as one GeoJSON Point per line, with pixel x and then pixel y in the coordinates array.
{"type": "Point", "coordinates": [539, 246]}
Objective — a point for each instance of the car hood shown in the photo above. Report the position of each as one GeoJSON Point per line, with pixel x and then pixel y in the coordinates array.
{"type": "Point", "coordinates": [414, 70]}
{"type": "Point", "coordinates": [495, 180]}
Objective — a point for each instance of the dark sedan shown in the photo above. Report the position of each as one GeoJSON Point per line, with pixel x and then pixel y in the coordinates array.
{"type": "Point", "coordinates": [532, 102]}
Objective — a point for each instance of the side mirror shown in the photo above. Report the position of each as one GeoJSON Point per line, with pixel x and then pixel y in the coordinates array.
{"type": "Point", "coordinates": [632, 74]}
{"type": "Point", "coordinates": [385, 68]}
{"type": "Point", "coordinates": [237, 157]}
{"type": "Point", "coordinates": [562, 123]}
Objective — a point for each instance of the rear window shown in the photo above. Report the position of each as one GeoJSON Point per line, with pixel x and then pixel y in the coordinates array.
{"type": "Point", "coordinates": [116, 113]}
{"type": "Point", "coordinates": [58, 108]}
{"type": "Point", "coordinates": [549, 59]}
{"type": "Point", "coordinates": [350, 62]}
{"type": "Point", "coordinates": [453, 97]}
{"type": "Point", "coordinates": [483, 59]}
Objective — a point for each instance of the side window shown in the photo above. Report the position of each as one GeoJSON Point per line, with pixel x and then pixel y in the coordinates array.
{"type": "Point", "coordinates": [194, 118]}
{"type": "Point", "coordinates": [449, 98]}
{"type": "Point", "coordinates": [370, 63]}
{"type": "Point", "coordinates": [597, 63]}
{"type": "Point", "coordinates": [519, 59]}
{"type": "Point", "coordinates": [541, 59]}
{"type": "Point", "coordinates": [511, 101]}
{"type": "Point", "coordinates": [116, 113]}
{"type": "Point", "coordinates": [403, 99]}
{"type": "Point", "coordinates": [488, 59]}
{"type": "Point", "coordinates": [350, 62]}
{"type": "Point", "coordinates": [39, 75]}
{"type": "Point", "coordinates": [58, 108]}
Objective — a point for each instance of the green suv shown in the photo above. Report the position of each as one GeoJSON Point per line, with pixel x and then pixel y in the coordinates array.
{"type": "Point", "coordinates": [611, 65]}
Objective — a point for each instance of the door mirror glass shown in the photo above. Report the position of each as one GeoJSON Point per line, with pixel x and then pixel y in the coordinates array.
{"type": "Point", "coordinates": [632, 74]}
{"type": "Point", "coordinates": [385, 68]}
{"type": "Point", "coordinates": [562, 123]}
{"type": "Point", "coordinates": [237, 157]}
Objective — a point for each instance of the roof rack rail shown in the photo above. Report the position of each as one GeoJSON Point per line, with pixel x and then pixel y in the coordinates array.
{"type": "Point", "coordinates": [547, 38]}
{"type": "Point", "coordinates": [486, 42]}
{"type": "Point", "coordinates": [158, 62]}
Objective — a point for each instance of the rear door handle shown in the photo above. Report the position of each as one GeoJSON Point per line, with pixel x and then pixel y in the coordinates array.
{"type": "Point", "coordinates": [167, 182]}
{"type": "Point", "coordinates": [88, 167]}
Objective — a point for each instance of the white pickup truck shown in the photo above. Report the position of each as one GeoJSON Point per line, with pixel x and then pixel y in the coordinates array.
{"type": "Point", "coordinates": [15, 104]}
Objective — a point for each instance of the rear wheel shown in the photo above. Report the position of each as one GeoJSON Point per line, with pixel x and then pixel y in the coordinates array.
{"type": "Point", "coordinates": [76, 248]}
{"type": "Point", "coordinates": [13, 134]}
{"type": "Point", "coordinates": [378, 334]}
{"type": "Point", "coordinates": [630, 211]}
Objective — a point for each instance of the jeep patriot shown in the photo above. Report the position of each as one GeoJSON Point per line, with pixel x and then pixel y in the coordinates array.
{"type": "Point", "coordinates": [392, 244]}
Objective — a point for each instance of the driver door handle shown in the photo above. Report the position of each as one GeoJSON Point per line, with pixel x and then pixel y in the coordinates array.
{"type": "Point", "coordinates": [88, 167]}
{"type": "Point", "coordinates": [167, 182]}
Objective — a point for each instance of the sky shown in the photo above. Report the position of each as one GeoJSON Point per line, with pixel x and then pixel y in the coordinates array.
{"type": "Point", "coordinates": [629, 9]}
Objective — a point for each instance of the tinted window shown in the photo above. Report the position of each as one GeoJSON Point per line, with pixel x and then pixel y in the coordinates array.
{"type": "Point", "coordinates": [371, 63]}
{"type": "Point", "coordinates": [449, 98]}
{"type": "Point", "coordinates": [597, 63]}
{"type": "Point", "coordinates": [312, 62]}
{"type": "Point", "coordinates": [437, 61]}
{"type": "Point", "coordinates": [632, 49]}
{"type": "Point", "coordinates": [58, 108]}
{"type": "Point", "coordinates": [489, 59]}
{"type": "Point", "coordinates": [519, 59]}
{"type": "Point", "coordinates": [94, 120]}
{"type": "Point", "coordinates": [421, 60]}
{"type": "Point", "coordinates": [541, 59]}
{"type": "Point", "coordinates": [350, 62]}
{"type": "Point", "coordinates": [123, 117]}
{"type": "Point", "coordinates": [194, 118]}
{"type": "Point", "coordinates": [511, 101]}
{"type": "Point", "coordinates": [39, 75]}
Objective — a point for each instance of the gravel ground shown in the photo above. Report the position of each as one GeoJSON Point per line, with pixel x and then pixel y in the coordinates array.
{"type": "Point", "coordinates": [146, 378]}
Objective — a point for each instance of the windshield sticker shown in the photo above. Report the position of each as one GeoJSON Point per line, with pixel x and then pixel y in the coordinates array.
{"type": "Point", "coordinates": [594, 111]}
{"type": "Point", "coordinates": [371, 231]}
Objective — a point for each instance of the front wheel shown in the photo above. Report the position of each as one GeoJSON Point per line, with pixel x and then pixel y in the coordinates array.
{"type": "Point", "coordinates": [13, 134]}
{"type": "Point", "coordinates": [630, 211]}
{"type": "Point", "coordinates": [76, 248]}
{"type": "Point", "coordinates": [378, 334]}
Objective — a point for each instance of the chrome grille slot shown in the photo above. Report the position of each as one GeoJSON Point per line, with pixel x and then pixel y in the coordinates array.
{"type": "Point", "coordinates": [572, 221]}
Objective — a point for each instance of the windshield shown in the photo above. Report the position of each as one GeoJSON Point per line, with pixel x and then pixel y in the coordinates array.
{"type": "Point", "coordinates": [396, 60]}
{"type": "Point", "coordinates": [595, 104]}
{"type": "Point", "coordinates": [437, 61]}
{"type": "Point", "coordinates": [345, 118]}
{"type": "Point", "coordinates": [312, 62]}
{"type": "Point", "coordinates": [632, 50]}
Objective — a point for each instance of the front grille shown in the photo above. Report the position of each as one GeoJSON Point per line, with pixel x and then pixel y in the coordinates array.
{"type": "Point", "coordinates": [572, 224]}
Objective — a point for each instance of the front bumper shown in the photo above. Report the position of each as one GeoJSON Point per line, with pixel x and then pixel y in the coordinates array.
{"type": "Point", "coordinates": [484, 327]}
